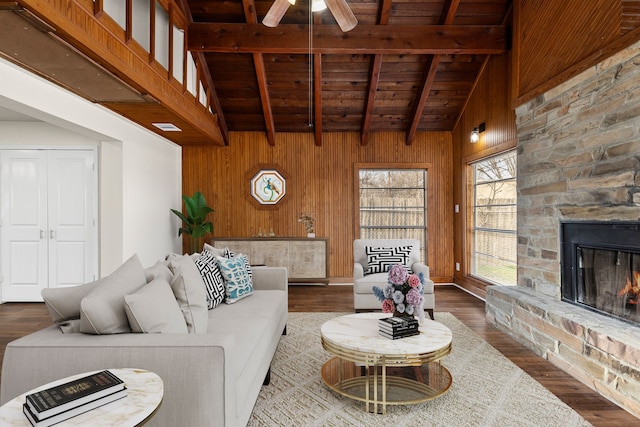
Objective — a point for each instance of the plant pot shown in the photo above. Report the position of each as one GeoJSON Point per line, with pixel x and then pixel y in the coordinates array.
{"type": "Point", "coordinates": [311, 235]}
{"type": "Point", "coordinates": [195, 244]}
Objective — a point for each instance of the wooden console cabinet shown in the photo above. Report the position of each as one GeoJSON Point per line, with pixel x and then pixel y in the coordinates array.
{"type": "Point", "coordinates": [307, 260]}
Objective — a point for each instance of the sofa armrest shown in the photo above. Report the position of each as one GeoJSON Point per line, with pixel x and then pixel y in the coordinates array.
{"type": "Point", "coordinates": [358, 271]}
{"type": "Point", "coordinates": [196, 369]}
{"type": "Point", "coordinates": [420, 267]}
{"type": "Point", "coordinates": [270, 278]}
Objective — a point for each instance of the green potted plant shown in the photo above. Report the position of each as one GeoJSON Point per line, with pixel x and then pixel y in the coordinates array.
{"type": "Point", "coordinates": [193, 223]}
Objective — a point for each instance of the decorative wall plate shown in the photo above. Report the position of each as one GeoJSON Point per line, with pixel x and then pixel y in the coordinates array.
{"type": "Point", "coordinates": [268, 186]}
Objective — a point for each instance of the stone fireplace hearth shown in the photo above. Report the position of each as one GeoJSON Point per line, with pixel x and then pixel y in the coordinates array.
{"type": "Point", "coordinates": [578, 160]}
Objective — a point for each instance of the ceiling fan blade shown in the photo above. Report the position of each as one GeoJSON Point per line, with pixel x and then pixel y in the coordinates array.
{"type": "Point", "coordinates": [343, 14]}
{"type": "Point", "coordinates": [275, 13]}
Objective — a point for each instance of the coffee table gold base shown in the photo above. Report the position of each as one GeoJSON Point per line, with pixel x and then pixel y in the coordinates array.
{"type": "Point", "coordinates": [381, 385]}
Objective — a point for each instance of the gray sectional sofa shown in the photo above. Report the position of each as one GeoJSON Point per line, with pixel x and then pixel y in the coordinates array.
{"type": "Point", "coordinates": [210, 379]}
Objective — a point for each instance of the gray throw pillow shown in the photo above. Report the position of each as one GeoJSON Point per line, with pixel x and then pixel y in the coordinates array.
{"type": "Point", "coordinates": [64, 303]}
{"type": "Point", "coordinates": [189, 289]}
{"type": "Point", "coordinates": [102, 310]}
{"type": "Point", "coordinates": [154, 309]}
{"type": "Point", "coordinates": [159, 269]}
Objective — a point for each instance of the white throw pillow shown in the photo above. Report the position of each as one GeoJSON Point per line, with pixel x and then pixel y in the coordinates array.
{"type": "Point", "coordinates": [154, 309]}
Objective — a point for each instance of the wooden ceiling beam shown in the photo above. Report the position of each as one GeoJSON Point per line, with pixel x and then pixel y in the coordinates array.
{"type": "Point", "coordinates": [261, 76]}
{"type": "Point", "coordinates": [364, 39]}
{"type": "Point", "coordinates": [374, 77]}
{"type": "Point", "coordinates": [449, 10]}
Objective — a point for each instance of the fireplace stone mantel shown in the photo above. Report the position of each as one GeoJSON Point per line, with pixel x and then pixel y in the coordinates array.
{"type": "Point", "coordinates": [599, 351]}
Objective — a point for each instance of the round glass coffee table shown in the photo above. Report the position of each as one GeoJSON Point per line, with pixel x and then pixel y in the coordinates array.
{"type": "Point", "coordinates": [380, 371]}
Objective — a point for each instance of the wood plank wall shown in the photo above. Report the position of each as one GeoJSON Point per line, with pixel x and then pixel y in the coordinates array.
{"type": "Point", "coordinates": [556, 40]}
{"type": "Point", "coordinates": [320, 179]}
{"type": "Point", "coordinates": [489, 103]}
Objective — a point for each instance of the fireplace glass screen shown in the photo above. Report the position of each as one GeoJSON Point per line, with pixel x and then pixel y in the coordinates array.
{"type": "Point", "coordinates": [607, 281]}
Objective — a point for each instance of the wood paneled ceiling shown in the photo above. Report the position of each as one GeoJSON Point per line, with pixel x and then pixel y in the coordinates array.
{"type": "Point", "coordinates": [408, 66]}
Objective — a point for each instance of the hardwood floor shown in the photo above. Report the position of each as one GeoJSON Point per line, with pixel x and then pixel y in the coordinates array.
{"type": "Point", "coordinates": [18, 319]}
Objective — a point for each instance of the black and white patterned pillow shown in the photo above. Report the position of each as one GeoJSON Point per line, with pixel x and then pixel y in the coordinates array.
{"type": "Point", "coordinates": [380, 260]}
{"type": "Point", "coordinates": [207, 264]}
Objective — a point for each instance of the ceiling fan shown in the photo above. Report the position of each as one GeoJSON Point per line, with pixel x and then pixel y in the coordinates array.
{"type": "Point", "coordinates": [339, 9]}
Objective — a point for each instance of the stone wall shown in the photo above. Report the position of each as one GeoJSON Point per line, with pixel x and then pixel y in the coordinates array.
{"type": "Point", "coordinates": [578, 159]}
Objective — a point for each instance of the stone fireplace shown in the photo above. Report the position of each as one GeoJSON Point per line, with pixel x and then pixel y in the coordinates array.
{"type": "Point", "coordinates": [579, 163]}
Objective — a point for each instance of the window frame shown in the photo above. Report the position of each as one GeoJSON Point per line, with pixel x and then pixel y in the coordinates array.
{"type": "Point", "coordinates": [393, 166]}
{"type": "Point", "coordinates": [471, 208]}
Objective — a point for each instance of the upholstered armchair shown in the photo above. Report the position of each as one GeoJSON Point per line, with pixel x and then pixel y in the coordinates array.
{"type": "Point", "coordinates": [364, 280]}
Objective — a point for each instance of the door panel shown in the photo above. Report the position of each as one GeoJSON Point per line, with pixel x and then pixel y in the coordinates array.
{"type": "Point", "coordinates": [72, 218]}
{"type": "Point", "coordinates": [23, 246]}
{"type": "Point", "coordinates": [48, 236]}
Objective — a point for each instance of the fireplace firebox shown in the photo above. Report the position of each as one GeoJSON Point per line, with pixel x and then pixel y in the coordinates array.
{"type": "Point", "coordinates": [600, 264]}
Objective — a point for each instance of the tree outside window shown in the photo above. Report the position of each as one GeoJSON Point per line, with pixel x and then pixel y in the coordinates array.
{"type": "Point", "coordinates": [494, 254]}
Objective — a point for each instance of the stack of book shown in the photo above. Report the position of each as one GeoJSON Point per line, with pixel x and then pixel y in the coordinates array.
{"type": "Point", "coordinates": [398, 327]}
{"type": "Point", "coordinates": [59, 403]}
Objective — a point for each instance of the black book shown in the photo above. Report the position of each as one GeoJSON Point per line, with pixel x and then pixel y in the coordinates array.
{"type": "Point", "coordinates": [389, 328]}
{"type": "Point", "coordinates": [70, 413]}
{"type": "Point", "coordinates": [69, 395]}
{"type": "Point", "coordinates": [393, 324]}
{"type": "Point", "coordinates": [395, 336]}
{"type": "Point", "coordinates": [398, 322]}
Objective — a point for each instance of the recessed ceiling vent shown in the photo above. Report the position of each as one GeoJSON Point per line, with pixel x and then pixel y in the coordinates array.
{"type": "Point", "coordinates": [167, 127]}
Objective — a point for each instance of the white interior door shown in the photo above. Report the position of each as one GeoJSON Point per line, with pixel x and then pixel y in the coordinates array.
{"type": "Point", "coordinates": [72, 218]}
{"type": "Point", "coordinates": [48, 236]}
{"type": "Point", "coordinates": [23, 245]}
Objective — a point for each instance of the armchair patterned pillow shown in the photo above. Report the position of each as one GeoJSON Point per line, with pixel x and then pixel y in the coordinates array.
{"type": "Point", "coordinates": [380, 260]}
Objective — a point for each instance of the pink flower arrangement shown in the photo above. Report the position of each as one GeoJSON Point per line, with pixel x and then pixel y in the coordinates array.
{"type": "Point", "coordinates": [403, 293]}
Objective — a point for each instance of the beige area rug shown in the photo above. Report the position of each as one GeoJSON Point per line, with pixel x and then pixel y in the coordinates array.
{"type": "Point", "coordinates": [487, 390]}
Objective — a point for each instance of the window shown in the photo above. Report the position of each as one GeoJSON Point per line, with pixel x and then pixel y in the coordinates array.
{"type": "Point", "coordinates": [494, 237]}
{"type": "Point", "coordinates": [392, 204]}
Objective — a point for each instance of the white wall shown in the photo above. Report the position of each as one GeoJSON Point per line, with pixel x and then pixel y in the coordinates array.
{"type": "Point", "coordinates": [140, 172]}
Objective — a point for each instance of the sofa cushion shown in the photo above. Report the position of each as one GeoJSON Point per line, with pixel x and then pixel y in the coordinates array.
{"type": "Point", "coordinates": [237, 281]}
{"type": "Point", "coordinates": [188, 288]}
{"type": "Point", "coordinates": [154, 309]}
{"type": "Point", "coordinates": [380, 260]}
{"type": "Point", "coordinates": [250, 317]}
{"type": "Point", "coordinates": [365, 284]}
{"type": "Point", "coordinates": [207, 264]}
{"type": "Point", "coordinates": [102, 310]}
